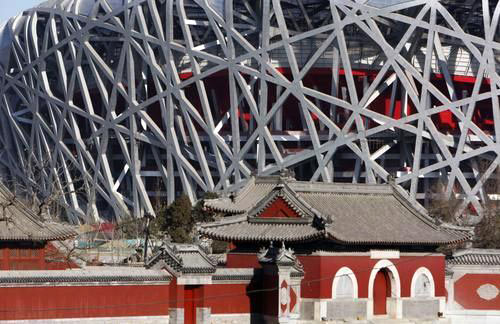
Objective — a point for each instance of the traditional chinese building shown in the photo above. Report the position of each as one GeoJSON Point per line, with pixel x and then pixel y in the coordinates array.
{"type": "Point", "coordinates": [365, 249]}
{"type": "Point", "coordinates": [25, 240]}
{"type": "Point", "coordinates": [300, 251]}
{"type": "Point", "coordinates": [204, 290]}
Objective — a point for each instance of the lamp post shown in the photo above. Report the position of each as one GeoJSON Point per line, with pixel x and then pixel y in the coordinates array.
{"type": "Point", "coordinates": [146, 232]}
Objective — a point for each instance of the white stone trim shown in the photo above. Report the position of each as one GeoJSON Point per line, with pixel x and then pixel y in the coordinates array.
{"type": "Point", "coordinates": [418, 272]}
{"type": "Point", "coordinates": [238, 318]}
{"type": "Point", "coordinates": [345, 271]}
{"type": "Point", "coordinates": [336, 253]}
{"type": "Point", "coordinates": [194, 280]}
{"type": "Point", "coordinates": [487, 291]}
{"type": "Point", "coordinates": [395, 281]}
{"type": "Point", "coordinates": [231, 281]}
{"type": "Point", "coordinates": [475, 269]}
{"type": "Point", "coordinates": [473, 317]}
{"type": "Point", "coordinates": [384, 254]}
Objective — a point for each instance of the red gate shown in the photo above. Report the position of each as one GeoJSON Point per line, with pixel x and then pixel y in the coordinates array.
{"type": "Point", "coordinates": [381, 290]}
{"type": "Point", "coordinates": [189, 305]}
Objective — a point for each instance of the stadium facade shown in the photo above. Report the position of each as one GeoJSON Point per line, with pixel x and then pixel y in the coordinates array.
{"type": "Point", "coordinates": [135, 100]}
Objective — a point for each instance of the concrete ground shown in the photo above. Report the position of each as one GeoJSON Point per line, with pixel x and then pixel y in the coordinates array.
{"type": "Point", "coordinates": [380, 321]}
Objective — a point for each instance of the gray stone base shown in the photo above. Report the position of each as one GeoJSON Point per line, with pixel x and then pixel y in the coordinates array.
{"type": "Point", "coordinates": [233, 319]}
{"type": "Point", "coordinates": [176, 315]}
{"type": "Point", "coordinates": [307, 310]}
{"type": "Point", "coordinates": [346, 309]}
{"type": "Point", "coordinates": [421, 308]}
{"type": "Point", "coordinates": [203, 315]}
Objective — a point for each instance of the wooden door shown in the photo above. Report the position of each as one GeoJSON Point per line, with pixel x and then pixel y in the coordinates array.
{"type": "Point", "coordinates": [189, 305]}
{"type": "Point", "coordinates": [381, 290]}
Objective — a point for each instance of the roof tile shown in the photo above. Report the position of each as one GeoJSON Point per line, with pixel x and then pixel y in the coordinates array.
{"type": "Point", "coordinates": [481, 257]}
{"type": "Point", "coordinates": [352, 213]}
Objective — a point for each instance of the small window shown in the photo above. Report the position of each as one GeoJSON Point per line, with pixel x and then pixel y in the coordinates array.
{"type": "Point", "coordinates": [345, 288]}
{"type": "Point", "coordinates": [423, 287]}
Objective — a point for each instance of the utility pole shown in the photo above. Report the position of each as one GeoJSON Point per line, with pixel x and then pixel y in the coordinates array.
{"type": "Point", "coordinates": [146, 238]}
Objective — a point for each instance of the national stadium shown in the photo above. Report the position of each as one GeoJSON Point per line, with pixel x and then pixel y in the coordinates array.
{"type": "Point", "coordinates": [138, 101]}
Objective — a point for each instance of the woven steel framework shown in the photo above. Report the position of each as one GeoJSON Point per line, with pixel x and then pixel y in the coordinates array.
{"type": "Point", "coordinates": [150, 98]}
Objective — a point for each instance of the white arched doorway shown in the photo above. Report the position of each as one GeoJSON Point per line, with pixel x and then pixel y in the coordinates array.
{"type": "Point", "coordinates": [422, 284]}
{"type": "Point", "coordinates": [384, 290]}
{"type": "Point", "coordinates": [345, 284]}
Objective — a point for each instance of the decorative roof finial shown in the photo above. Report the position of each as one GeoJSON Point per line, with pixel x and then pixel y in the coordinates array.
{"type": "Point", "coordinates": [391, 179]}
{"type": "Point", "coordinates": [287, 174]}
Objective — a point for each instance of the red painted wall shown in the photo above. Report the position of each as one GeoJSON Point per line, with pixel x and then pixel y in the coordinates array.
{"type": "Point", "coordinates": [21, 258]}
{"type": "Point", "coordinates": [408, 265]}
{"type": "Point", "coordinates": [103, 301]}
{"type": "Point", "coordinates": [190, 304]}
{"type": "Point", "coordinates": [176, 294]}
{"type": "Point", "coordinates": [320, 271]}
{"type": "Point", "coordinates": [82, 301]}
{"type": "Point", "coordinates": [279, 208]}
{"type": "Point", "coordinates": [466, 291]}
{"type": "Point", "coordinates": [229, 298]}
{"type": "Point", "coordinates": [15, 256]}
{"type": "Point", "coordinates": [242, 260]}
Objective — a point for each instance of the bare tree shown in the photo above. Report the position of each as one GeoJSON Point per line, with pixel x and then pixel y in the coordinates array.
{"type": "Point", "coordinates": [442, 208]}
{"type": "Point", "coordinates": [455, 211]}
{"type": "Point", "coordinates": [52, 191]}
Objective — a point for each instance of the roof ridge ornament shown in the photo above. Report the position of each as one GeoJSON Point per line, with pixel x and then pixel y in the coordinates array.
{"type": "Point", "coordinates": [391, 179]}
{"type": "Point", "coordinates": [279, 256]}
{"type": "Point", "coordinates": [322, 222]}
{"type": "Point", "coordinates": [286, 175]}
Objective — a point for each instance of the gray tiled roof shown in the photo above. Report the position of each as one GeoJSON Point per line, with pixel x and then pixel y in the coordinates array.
{"type": "Point", "coordinates": [387, 218]}
{"type": "Point", "coordinates": [245, 231]}
{"type": "Point", "coordinates": [17, 222]}
{"type": "Point", "coordinates": [184, 258]}
{"type": "Point", "coordinates": [353, 213]}
{"type": "Point", "coordinates": [234, 274]}
{"type": "Point", "coordinates": [86, 275]}
{"type": "Point", "coordinates": [245, 199]}
{"type": "Point", "coordinates": [482, 257]}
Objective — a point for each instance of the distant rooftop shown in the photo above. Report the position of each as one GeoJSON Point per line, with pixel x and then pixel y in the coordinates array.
{"type": "Point", "coordinates": [481, 257]}
{"type": "Point", "coordinates": [19, 223]}
{"type": "Point", "coordinates": [86, 275]}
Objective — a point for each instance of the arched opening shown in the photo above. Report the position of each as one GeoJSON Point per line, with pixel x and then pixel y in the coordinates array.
{"type": "Point", "coordinates": [345, 285]}
{"type": "Point", "coordinates": [381, 291]}
{"type": "Point", "coordinates": [344, 288]}
{"type": "Point", "coordinates": [384, 287]}
{"type": "Point", "coordinates": [422, 284]}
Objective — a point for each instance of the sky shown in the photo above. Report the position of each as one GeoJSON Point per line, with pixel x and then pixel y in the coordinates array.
{"type": "Point", "coordinates": [9, 8]}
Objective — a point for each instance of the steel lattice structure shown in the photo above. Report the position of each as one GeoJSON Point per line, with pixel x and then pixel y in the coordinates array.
{"type": "Point", "coordinates": [150, 98]}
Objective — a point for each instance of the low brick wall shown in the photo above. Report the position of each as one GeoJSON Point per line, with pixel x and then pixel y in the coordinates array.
{"type": "Point", "coordinates": [100, 320]}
